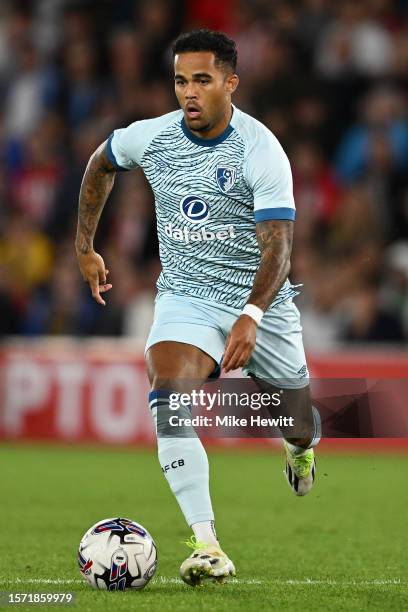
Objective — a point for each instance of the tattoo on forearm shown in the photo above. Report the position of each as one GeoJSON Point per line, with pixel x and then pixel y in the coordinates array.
{"type": "Point", "coordinates": [275, 243]}
{"type": "Point", "coordinates": [96, 185]}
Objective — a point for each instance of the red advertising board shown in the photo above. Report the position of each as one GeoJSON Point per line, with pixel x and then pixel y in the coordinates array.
{"type": "Point", "coordinates": [73, 393]}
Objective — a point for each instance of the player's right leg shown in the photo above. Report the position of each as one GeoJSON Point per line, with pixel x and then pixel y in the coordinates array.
{"type": "Point", "coordinates": [178, 367]}
{"type": "Point", "coordinates": [299, 439]}
{"type": "Point", "coordinates": [278, 364]}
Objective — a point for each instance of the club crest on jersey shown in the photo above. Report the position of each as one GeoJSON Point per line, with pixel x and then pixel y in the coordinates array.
{"type": "Point", "coordinates": [225, 177]}
{"type": "Point", "coordinates": [194, 209]}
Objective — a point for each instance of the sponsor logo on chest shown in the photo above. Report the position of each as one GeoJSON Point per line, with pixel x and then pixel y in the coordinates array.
{"type": "Point", "coordinates": [196, 210]}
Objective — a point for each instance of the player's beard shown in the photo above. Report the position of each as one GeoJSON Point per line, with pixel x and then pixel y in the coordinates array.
{"type": "Point", "coordinates": [202, 125]}
{"type": "Point", "coordinates": [200, 128]}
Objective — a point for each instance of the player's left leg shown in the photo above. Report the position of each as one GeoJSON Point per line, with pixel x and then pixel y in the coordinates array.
{"type": "Point", "coordinates": [278, 364]}
{"type": "Point", "coordinates": [182, 350]}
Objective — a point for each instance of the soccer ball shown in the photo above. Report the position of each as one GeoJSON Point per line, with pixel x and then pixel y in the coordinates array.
{"type": "Point", "coordinates": [117, 554]}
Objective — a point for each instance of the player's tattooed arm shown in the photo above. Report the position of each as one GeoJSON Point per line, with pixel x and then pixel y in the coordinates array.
{"type": "Point", "coordinates": [275, 243]}
{"type": "Point", "coordinates": [96, 186]}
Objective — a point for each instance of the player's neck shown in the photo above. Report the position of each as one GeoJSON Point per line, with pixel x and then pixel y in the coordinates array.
{"type": "Point", "coordinates": [217, 129]}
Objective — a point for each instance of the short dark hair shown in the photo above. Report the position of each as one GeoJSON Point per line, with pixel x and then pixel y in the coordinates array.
{"type": "Point", "coordinates": [224, 48]}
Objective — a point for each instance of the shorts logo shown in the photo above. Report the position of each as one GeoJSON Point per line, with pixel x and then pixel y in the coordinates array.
{"type": "Point", "coordinates": [194, 209]}
{"type": "Point", "coordinates": [302, 372]}
{"type": "Point", "coordinates": [225, 177]}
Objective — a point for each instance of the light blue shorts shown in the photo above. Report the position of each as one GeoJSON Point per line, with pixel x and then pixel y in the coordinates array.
{"type": "Point", "coordinates": [278, 356]}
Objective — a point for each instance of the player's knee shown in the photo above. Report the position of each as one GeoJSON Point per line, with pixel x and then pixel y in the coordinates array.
{"type": "Point", "coordinates": [164, 375]}
{"type": "Point", "coordinates": [161, 381]}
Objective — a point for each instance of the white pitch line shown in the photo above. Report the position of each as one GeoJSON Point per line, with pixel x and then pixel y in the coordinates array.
{"type": "Point", "coordinates": [162, 579]}
{"type": "Point", "coordinates": [310, 581]}
{"type": "Point", "coordinates": [42, 581]}
{"type": "Point", "coordinates": [167, 580]}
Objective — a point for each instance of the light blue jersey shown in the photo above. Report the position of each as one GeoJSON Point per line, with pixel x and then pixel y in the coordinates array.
{"type": "Point", "coordinates": [209, 194]}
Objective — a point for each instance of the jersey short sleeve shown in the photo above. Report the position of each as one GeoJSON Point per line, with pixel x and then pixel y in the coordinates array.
{"type": "Point", "coordinates": [121, 149]}
{"type": "Point", "coordinates": [126, 146]}
{"type": "Point", "coordinates": [267, 171]}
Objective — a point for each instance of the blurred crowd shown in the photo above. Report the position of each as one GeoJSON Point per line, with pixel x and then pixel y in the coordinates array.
{"type": "Point", "coordinates": [328, 77]}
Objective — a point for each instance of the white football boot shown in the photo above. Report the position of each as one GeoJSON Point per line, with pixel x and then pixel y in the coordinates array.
{"type": "Point", "coordinates": [207, 562]}
{"type": "Point", "coordinates": [300, 470]}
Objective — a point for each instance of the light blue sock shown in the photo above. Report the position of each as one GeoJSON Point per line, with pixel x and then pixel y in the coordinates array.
{"type": "Point", "coordinates": [183, 461]}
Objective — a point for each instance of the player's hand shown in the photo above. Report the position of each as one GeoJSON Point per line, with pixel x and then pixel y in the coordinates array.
{"type": "Point", "coordinates": [94, 272]}
{"type": "Point", "coordinates": [240, 343]}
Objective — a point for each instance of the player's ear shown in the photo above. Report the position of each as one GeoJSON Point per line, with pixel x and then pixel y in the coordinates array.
{"type": "Point", "coordinates": [232, 83]}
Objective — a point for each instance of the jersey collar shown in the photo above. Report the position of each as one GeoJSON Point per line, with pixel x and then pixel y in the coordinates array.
{"type": "Point", "coordinates": [203, 142]}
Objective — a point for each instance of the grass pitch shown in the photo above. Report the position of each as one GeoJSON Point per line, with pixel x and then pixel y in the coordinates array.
{"type": "Point", "coordinates": [343, 547]}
